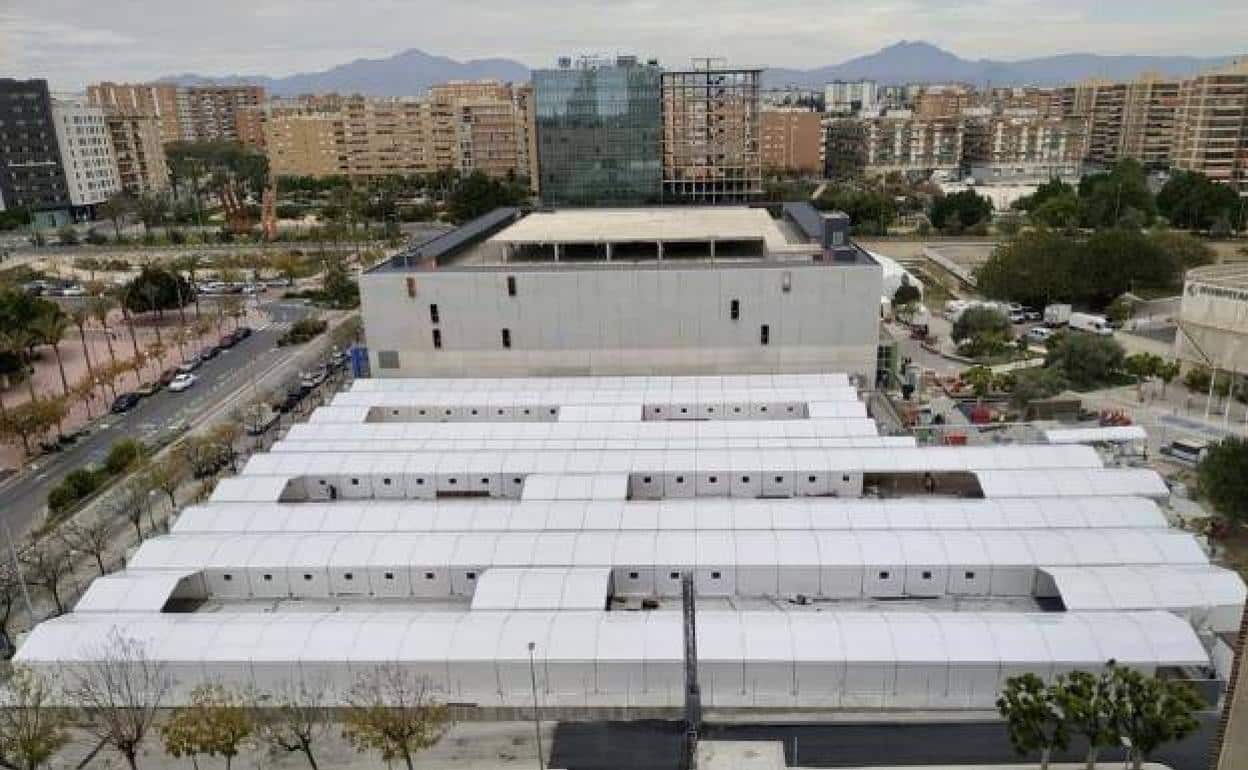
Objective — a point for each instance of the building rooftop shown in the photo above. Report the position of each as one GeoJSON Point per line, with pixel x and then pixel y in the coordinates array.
{"type": "Point", "coordinates": [1227, 276]}
{"type": "Point", "coordinates": [658, 236]}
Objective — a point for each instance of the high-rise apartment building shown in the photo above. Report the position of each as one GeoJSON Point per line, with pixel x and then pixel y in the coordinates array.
{"type": "Point", "coordinates": [792, 141]}
{"type": "Point", "coordinates": [1133, 119]}
{"type": "Point", "coordinates": [852, 97]}
{"type": "Point", "coordinates": [303, 141]}
{"type": "Point", "coordinates": [599, 131]}
{"type": "Point", "coordinates": [488, 125]}
{"type": "Point", "coordinates": [1212, 125]}
{"type": "Point", "coordinates": [903, 142]}
{"type": "Point", "coordinates": [711, 148]}
{"type": "Point", "coordinates": [31, 173]}
{"type": "Point", "coordinates": [140, 151]}
{"type": "Point", "coordinates": [159, 100]}
{"type": "Point", "coordinates": [86, 150]}
{"type": "Point", "coordinates": [941, 102]}
{"type": "Point", "coordinates": [1018, 145]}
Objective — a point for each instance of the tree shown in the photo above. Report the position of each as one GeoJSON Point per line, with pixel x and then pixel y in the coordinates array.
{"type": "Point", "coordinates": [93, 538]}
{"type": "Point", "coordinates": [1149, 711]}
{"type": "Point", "coordinates": [1191, 200]}
{"type": "Point", "coordinates": [1142, 366]}
{"type": "Point", "coordinates": [45, 564]}
{"type": "Point", "coordinates": [1106, 199]}
{"type": "Point", "coordinates": [32, 730]}
{"type": "Point", "coordinates": [216, 723]}
{"type": "Point", "coordinates": [31, 420]}
{"type": "Point", "coordinates": [120, 691]}
{"type": "Point", "coordinates": [478, 194]}
{"type": "Point", "coordinates": [1060, 212]}
{"type": "Point", "coordinates": [1222, 477]}
{"type": "Point", "coordinates": [100, 308]}
{"type": "Point", "coordinates": [130, 501]}
{"type": "Point", "coordinates": [287, 265]}
{"type": "Point", "coordinates": [982, 331]}
{"type": "Point", "coordinates": [51, 329]}
{"type": "Point", "coordinates": [1036, 385]}
{"type": "Point", "coordinates": [961, 210]}
{"type": "Point", "coordinates": [394, 714]}
{"type": "Point", "coordinates": [340, 290]}
{"type": "Point", "coordinates": [79, 315]}
{"type": "Point", "coordinates": [1184, 251]}
{"type": "Point", "coordinates": [118, 206]}
{"type": "Point", "coordinates": [1167, 372]}
{"type": "Point", "coordinates": [293, 719]}
{"type": "Point", "coordinates": [907, 294]}
{"type": "Point", "coordinates": [157, 289]}
{"type": "Point", "coordinates": [1032, 717]}
{"type": "Point", "coordinates": [11, 589]}
{"type": "Point", "coordinates": [980, 378]}
{"type": "Point", "coordinates": [1087, 360]}
{"type": "Point", "coordinates": [1086, 702]}
{"type": "Point", "coordinates": [166, 474]}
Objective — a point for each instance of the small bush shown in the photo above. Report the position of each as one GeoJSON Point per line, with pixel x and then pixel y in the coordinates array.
{"type": "Point", "coordinates": [302, 331]}
{"type": "Point", "coordinates": [77, 486]}
{"type": "Point", "coordinates": [122, 456]}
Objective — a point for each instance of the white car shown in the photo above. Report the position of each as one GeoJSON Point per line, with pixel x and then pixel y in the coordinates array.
{"type": "Point", "coordinates": [182, 382]}
{"type": "Point", "coordinates": [1039, 335]}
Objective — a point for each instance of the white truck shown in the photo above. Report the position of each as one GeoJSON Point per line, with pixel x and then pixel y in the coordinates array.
{"type": "Point", "coordinates": [1092, 324]}
{"type": "Point", "coordinates": [1057, 315]}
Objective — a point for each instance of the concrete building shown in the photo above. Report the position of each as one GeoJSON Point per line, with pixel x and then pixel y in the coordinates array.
{"type": "Point", "coordinates": [141, 163]}
{"type": "Point", "coordinates": [792, 141]}
{"type": "Point", "coordinates": [711, 142]}
{"type": "Point", "coordinates": [213, 111]}
{"type": "Point", "coordinates": [905, 143]}
{"type": "Point", "coordinates": [303, 142]}
{"type": "Point", "coordinates": [524, 560]}
{"type": "Point", "coordinates": [852, 97]}
{"type": "Point", "coordinates": [489, 126]}
{"type": "Point", "coordinates": [86, 153]}
{"type": "Point", "coordinates": [599, 132]}
{"type": "Point", "coordinates": [387, 136]}
{"type": "Point", "coordinates": [628, 291]}
{"type": "Point", "coordinates": [1020, 146]}
{"type": "Point", "coordinates": [942, 102]}
{"type": "Point", "coordinates": [157, 100]}
{"type": "Point", "coordinates": [1213, 319]}
{"type": "Point", "coordinates": [1212, 125]}
{"type": "Point", "coordinates": [1134, 119]}
{"type": "Point", "coordinates": [32, 174]}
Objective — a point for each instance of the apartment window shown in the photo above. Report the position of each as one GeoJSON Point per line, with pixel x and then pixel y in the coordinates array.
{"type": "Point", "coordinates": [433, 314]}
{"type": "Point", "coordinates": [428, 576]}
{"type": "Point", "coordinates": [713, 479]}
{"type": "Point", "coordinates": [411, 287]}
{"type": "Point", "coordinates": [884, 575]}
{"type": "Point", "coordinates": [811, 479]}
{"type": "Point", "coordinates": [745, 479]}
{"type": "Point", "coordinates": [764, 335]}
{"type": "Point", "coordinates": [389, 576]}
{"type": "Point", "coordinates": [632, 576]}
{"type": "Point", "coordinates": [355, 482]}
{"type": "Point", "coordinates": [437, 339]}
{"type": "Point", "coordinates": [680, 479]}
{"type": "Point", "coordinates": [645, 479]}
{"type": "Point", "coordinates": [511, 286]}
{"type": "Point", "coordinates": [385, 482]}
{"type": "Point", "coordinates": [674, 575]}
{"type": "Point", "coordinates": [734, 309]}
{"type": "Point", "coordinates": [779, 479]}
{"type": "Point", "coordinates": [786, 282]}
{"type": "Point", "coordinates": [507, 338]}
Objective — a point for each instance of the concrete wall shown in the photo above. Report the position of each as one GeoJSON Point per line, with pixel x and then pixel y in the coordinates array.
{"type": "Point", "coordinates": [661, 319]}
{"type": "Point", "coordinates": [1213, 328]}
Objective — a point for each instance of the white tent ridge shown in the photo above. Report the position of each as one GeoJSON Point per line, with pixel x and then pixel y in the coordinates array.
{"type": "Point", "coordinates": [617, 659]}
{"type": "Point", "coordinates": [642, 384]}
{"type": "Point", "coordinates": [571, 588]}
{"type": "Point", "coordinates": [1208, 595]}
{"type": "Point", "coordinates": [688, 514]}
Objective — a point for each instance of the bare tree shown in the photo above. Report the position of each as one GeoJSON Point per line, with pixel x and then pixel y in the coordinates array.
{"type": "Point", "coordinates": [120, 692]}
{"type": "Point", "coordinates": [91, 538]}
{"type": "Point", "coordinates": [11, 588]}
{"type": "Point", "coordinates": [130, 501]}
{"type": "Point", "coordinates": [394, 714]}
{"type": "Point", "coordinates": [31, 730]}
{"type": "Point", "coordinates": [46, 563]}
{"type": "Point", "coordinates": [293, 719]}
{"type": "Point", "coordinates": [167, 474]}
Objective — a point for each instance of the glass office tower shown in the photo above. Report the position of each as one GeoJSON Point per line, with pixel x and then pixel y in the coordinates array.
{"type": "Point", "coordinates": [599, 129]}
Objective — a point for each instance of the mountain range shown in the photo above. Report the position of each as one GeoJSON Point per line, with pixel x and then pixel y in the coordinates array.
{"type": "Point", "coordinates": [412, 71]}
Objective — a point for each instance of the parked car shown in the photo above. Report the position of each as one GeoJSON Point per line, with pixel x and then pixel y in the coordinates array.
{"type": "Point", "coordinates": [210, 352]}
{"type": "Point", "coordinates": [1031, 314]}
{"type": "Point", "coordinates": [182, 382]}
{"type": "Point", "coordinates": [190, 365]}
{"type": "Point", "coordinates": [148, 389]}
{"type": "Point", "coordinates": [125, 402]}
{"type": "Point", "coordinates": [291, 400]}
{"type": "Point", "coordinates": [167, 376]}
{"type": "Point", "coordinates": [227, 341]}
{"type": "Point", "coordinates": [242, 332]}
{"type": "Point", "coordinates": [1039, 335]}
{"type": "Point", "coordinates": [1017, 316]}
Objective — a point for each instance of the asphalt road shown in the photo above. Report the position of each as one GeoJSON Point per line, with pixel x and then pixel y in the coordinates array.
{"type": "Point", "coordinates": [651, 745]}
{"type": "Point", "coordinates": [23, 497]}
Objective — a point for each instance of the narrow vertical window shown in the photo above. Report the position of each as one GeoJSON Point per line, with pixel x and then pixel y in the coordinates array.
{"type": "Point", "coordinates": [764, 335]}
{"type": "Point", "coordinates": [411, 287]}
{"type": "Point", "coordinates": [734, 309]}
{"type": "Point", "coordinates": [511, 286]}
{"type": "Point", "coordinates": [433, 314]}
{"type": "Point", "coordinates": [437, 339]}
{"type": "Point", "coordinates": [506, 338]}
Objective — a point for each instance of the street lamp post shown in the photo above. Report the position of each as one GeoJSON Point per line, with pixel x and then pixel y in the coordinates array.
{"type": "Point", "coordinates": [537, 722]}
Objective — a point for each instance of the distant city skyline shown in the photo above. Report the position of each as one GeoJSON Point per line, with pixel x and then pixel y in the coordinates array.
{"type": "Point", "coordinates": [72, 42]}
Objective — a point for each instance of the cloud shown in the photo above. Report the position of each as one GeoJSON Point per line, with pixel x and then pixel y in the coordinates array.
{"type": "Point", "coordinates": [278, 37]}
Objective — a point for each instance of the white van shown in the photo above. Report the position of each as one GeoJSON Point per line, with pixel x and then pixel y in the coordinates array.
{"type": "Point", "coordinates": [1092, 324]}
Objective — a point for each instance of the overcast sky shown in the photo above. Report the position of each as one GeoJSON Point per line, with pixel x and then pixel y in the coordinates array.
{"type": "Point", "coordinates": [72, 42]}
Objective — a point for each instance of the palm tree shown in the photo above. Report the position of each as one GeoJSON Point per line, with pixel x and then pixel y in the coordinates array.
{"type": "Point", "coordinates": [80, 315]}
{"type": "Point", "coordinates": [50, 329]}
{"type": "Point", "coordinates": [99, 308]}
{"type": "Point", "coordinates": [6, 347]}
{"type": "Point", "coordinates": [190, 263]}
{"type": "Point", "coordinates": [26, 341]}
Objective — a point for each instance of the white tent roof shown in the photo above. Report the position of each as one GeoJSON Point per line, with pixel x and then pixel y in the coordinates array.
{"type": "Point", "coordinates": [1072, 482]}
{"type": "Point", "coordinates": [799, 513]}
{"type": "Point", "coordinates": [819, 408]}
{"type": "Point", "coordinates": [1155, 587]}
{"type": "Point", "coordinates": [130, 592]}
{"type": "Point", "coordinates": [1084, 463]}
{"type": "Point", "coordinates": [244, 489]}
{"type": "Point", "coordinates": [1114, 434]}
{"type": "Point", "coordinates": [558, 397]}
{"type": "Point", "coordinates": [1041, 548]}
{"type": "Point", "coordinates": [573, 588]}
{"type": "Point", "coordinates": [617, 383]}
{"type": "Point", "coordinates": [1006, 639]}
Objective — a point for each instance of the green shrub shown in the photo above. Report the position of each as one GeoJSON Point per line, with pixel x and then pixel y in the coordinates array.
{"type": "Point", "coordinates": [122, 456]}
{"type": "Point", "coordinates": [77, 486]}
{"type": "Point", "coordinates": [301, 331]}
